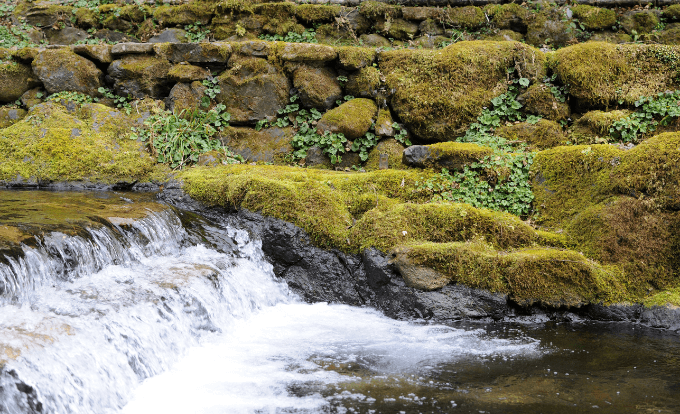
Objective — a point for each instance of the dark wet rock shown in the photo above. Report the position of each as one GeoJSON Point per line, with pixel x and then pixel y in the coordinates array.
{"type": "Point", "coordinates": [315, 157]}
{"type": "Point", "coordinates": [661, 317]}
{"type": "Point", "coordinates": [114, 37]}
{"type": "Point", "coordinates": [616, 312]}
{"type": "Point", "coordinates": [172, 35]}
{"type": "Point", "coordinates": [100, 53]}
{"type": "Point", "coordinates": [451, 155]}
{"type": "Point", "coordinates": [62, 70]}
{"type": "Point", "coordinates": [140, 76]}
{"type": "Point", "coordinates": [194, 52]}
{"type": "Point", "coordinates": [458, 302]}
{"type": "Point", "coordinates": [186, 98]}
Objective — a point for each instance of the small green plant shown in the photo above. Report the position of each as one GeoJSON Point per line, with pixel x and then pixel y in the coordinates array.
{"type": "Point", "coordinates": [240, 30]}
{"type": "Point", "coordinates": [559, 92]}
{"type": "Point", "coordinates": [652, 111]}
{"type": "Point", "coordinates": [69, 96]}
{"type": "Point", "coordinates": [212, 89]}
{"type": "Point", "coordinates": [120, 101]}
{"type": "Point", "coordinates": [6, 10]}
{"type": "Point", "coordinates": [15, 36]}
{"type": "Point", "coordinates": [195, 33]}
{"type": "Point", "coordinates": [308, 36]}
{"type": "Point", "coordinates": [179, 140]}
{"type": "Point", "coordinates": [401, 134]}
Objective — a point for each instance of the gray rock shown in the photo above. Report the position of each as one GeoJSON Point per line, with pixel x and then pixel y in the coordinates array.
{"type": "Point", "coordinates": [661, 317]}
{"type": "Point", "coordinates": [356, 21]}
{"type": "Point", "coordinates": [100, 53]}
{"type": "Point", "coordinates": [317, 87]}
{"type": "Point", "coordinates": [140, 76]}
{"type": "Point", "coordinates": [451, 155]}
{"type": "Point", "coordinates": [195, 52]}
{"type": "Point", "coordinates": [316, 157]}
{"type": "Point", "coordinates": [131, 48]}
{"type": "Point", "coordinates": [172, 35]}
{"type": "Point", "coordinates": [62, 70]}
{"type": "Point", "coordinates": [186, 98]}
{"type": "Point", "coordinates": [65, 36]}
{"type": "Point", "coordinates": [458, 302]}
{"type": "Point", "coordinates": [374, 40]}
{"type": "Point", "coordinates": [33, 97]}
{"type": "Point", "coordinates": [115, 37]}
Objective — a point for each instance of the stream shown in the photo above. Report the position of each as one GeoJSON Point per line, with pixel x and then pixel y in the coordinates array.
{"type": "Point", "coordinates": [114, 303]}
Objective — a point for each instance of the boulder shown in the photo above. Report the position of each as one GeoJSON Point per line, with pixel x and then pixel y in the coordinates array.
{"type": "Point", "coordinates": [593, 126]}
{"type": "Point", "coordinates": [539, 100]}
{"type": "Point", "coordinates": [171, 35]}
{"type": "Point", "coordinates": [267, 145]}
{"type": "Point", "coordinates": [62, 70]}
{"type": "Point", "coordinates": [131, 48]}
{"type": "Point", "coordinates": [253, 90]}
{"type": "Point", "coordinates": [419, 277]}
{"type": "Point", "coordinates": [430, 27]}
{"type": "Point", "coordinates": [640, 21]}
{"type": "Point", "coordinates": [398, 29]}
{"type": "Point", "coordinates": [194, 52]}
{"type": "Point", "coordinates": [363, 83]}
{"type": "Point", "coordinates": [100, 53]}
{"type": "Point", "coordinates": [186, 98]}
{"type": "Point", "coordinates": [355, 58]}
{"type": "Point", "coordinates": [140, 76]}
{"type": "Point", "coordinates": [383, 125]}
{"type": "Point", "coordinates": [542, 135]}
{"type": "Point", "coordinates": [33, 97]}
{"type": "Point", "coordinates": [317, 87]}
{"type": "Point", "coordinates": [65, 36]}
{"type": "Point", "coordinates": [374, 40]}
{"type": "Point", "coordinates": [187, 73]}
{"type": "Point", "coordinates": [387, 154]}
{"type": "Point", "coordinates": [10, 116]}
{"type": "Point", "coordinates": [547, 31]}
{"type": "Point", "coordinates": [469, 17]}
{"type": "Point", "coordinates": [114, 37]}
{"type": "Point", "coordinates": [510, 16]}
{"type": "Point", "coordinates": [450, 155]}
{"type": "Point", "coordinates": [353, 118]}
{"type": "Point", "coordinates": [15, 79]}
{"type": "Point", "coordinates": [307, 52]}
{"type": "Point", "coordinates": [594, 18]}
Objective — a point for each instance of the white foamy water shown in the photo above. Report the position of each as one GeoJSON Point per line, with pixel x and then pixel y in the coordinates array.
{"type": "Point", "coordinates": [135, 320]}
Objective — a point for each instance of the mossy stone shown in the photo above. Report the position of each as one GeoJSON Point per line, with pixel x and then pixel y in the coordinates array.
{"type": "Point", "coordinates": [594, 18]}
{"type": "Point", "coordinates": [316, 13]}
{"type": "Point", "coordinates": [389, 148]}
{"type": "Point", "coordinates": [267, 145]}
{"type": "Point", "coordinates": [140, 76]}
{"type": "Point", "coordinates": [100, 53]}
{"type": "Point", "coordinates": [504, 36]}
{"type": "Point", "coordinates": [510, 16]}
{"type": "Point", "coordinates": [543, 30]}
{"type": "Point", "coordinates": [86, 18]}
{"type": "Point", "coordinates": [398, 29]}
{"type": "Point", "coordinates": [184, 14]}
{"type": "Point", "coordinates": [672, 12]}
{"type": "Point", "coordinates": [374, 40]}
{"type": "Point", "coordinates": [542, 135]}
{"type": "Point", "coordinates": [468, 17]}
{"type": "Point", "coordinates": [253, 90]}
{"type": "Point", "coordinates": [421, 13]}
{"type": "Point", "coordinates": [90, 145]}
{"type": "Point", "coordinates": [352, 118]}
{"type": "Point", "coordinates": [593, 126]}
{"type": "Point", "coordinates": [437, 94]}
{"type": "Point", "coordinates": [185, 98]}
{"type": "Point", "coordinates": [374, 10]}
{"type": "Point", "coordinates": [15, 79]}
{"type": "Point", "coordinates": [318, 87]}
{"type": "Point", "coordinates": [539, 100]}
{"type": "Point", "coordinates": [430, 27]}
{"type": "Point", "coordinates": [33, 97]}
{"type": "Point", "coordinates": [306, 52]}
{"type": "Point", "coordinates": [355, 58]}
{"type": "Point", "coordinates": [669, 36]}
{"type": "Point", "coordinates": [640, 21]}
{"type": "Point", "coordinates": [10, 116]}
{"type": "Point", "coordinates": [187, 73]}
{"type": "Point", "coordinates": [383, 124]}
{"type": "Point", "coordinates": [364, 83]}
{"type": "Point", "coordinates": [62, 70]}
{"type": "Point", "coordinates": [601, 74]}
{"type": "Point", "coordinates": [451, 155]}
{"type": "Point", "coordinates": [611, 37]}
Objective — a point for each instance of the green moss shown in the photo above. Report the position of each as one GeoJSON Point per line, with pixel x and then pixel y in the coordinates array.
{"type": "Point", "coordinates": [185, 14]}
{"type": "Point", "coordinates": [439, 93]}
{"type": "Point", "coordinates": [313, 13]}
{"type": "Point", "coordinates": [282, 10]}
{"type": "Point", "coordinates": [235, 7]}
{"type": "Point", "coordinates": [355, 58]}
{"type": "Point", "coordinates": [86, 18]}
{"type": "Point", "coordinates": [53, 145]}
{"type": "Point", "coordinates": [387, 147]}
{"type": "Point", "coordinates": [643, 21]}
{"type": "Point", "coordinates": [352, 118]}
{"type": "Point", "coordinates": [364, 83]}
{"type": "Point", "coordinates": [505, 16]}
{"type": "Point", "coordinates": [536, 275]}
{"type": "Point", "coordinates": [593, 127]}
{"type": "Point", "coordinates": [539, 100]}
{"type": "Point", "coordinates": [378, 10]}
{"type": "Point", "coordinates": [542, 135]}
{"type": "Point", "coordinates": [670, 297]}
{"type": "Point", "coordinates": [594, 18]}
{"type": "Point", "coordinates": [672, 12]}
{"type": "Point", "coordinates": [15, 79]}
{"type": "Point", "coordinates": [135, 13]}
{"type": "Point", "coordinates": [503, 35]}
{"type": "Point", "coordinates": [603, 74]}
{"type": "Point", "coordinates": [468, 17]}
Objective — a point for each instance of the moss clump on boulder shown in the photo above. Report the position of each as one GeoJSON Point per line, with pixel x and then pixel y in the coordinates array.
{"type": "Point", "coordinates": [355, 58]}
{"type": "Point", "coordinates": [439, 93]}
{"type": "Point", "coordinates": [544, 30]}
{"type": "Point", "coordinates": [353, 118]}
{"type": "Point", "coordinates": [10, 116]}
{"type": "Point", "coordinates": [601, 74]}
{"type": "Point", "coordinates": [640, 21]}
{"type": "Point", "coordinates": [509, 16]}
{"type": "Point", "coordinates": [314, 13]}
{"type": "Point", "coordinates": [611, 37]}
{"type": "Point", "coordinates": [91, 145]}
{"type": "Point", "coordinates": [550, 277]}
{"type": "Point", "coordinates": [364, 83]}
{"type": "Point", "coordinates": [450, 155]}
{"type": "Point", "coordinates": [468, 17]}
{"type": "Point", "coordinates": [184, 14]}
{"type": "Point", "coordinates": [140, 76]}
{"type": "Point", "coordinates": [15, 79]}
{"type": "Point", "coordinates": [672, 12]}
{"type": "Point", "coordinates": [389, 148]}
{"type": "Point", "coordinates": [594, 18]}
{"type": "Point", "coordinates": [62, 70]}
{"type": "Point", "coordinates": [318, 87]}
{"type": "Point", "coordinates": [542, 135]}
{"type": "Point", "coordinates": [187, 73]}
{"type": "Point", "coordinates": [539, 100]}
{"type": "Point", "coordinates": [593, 126]}
{"type": "Point", "coordinates": [267, 145]}
{"type": "Point", "coordinates": [375, 10]}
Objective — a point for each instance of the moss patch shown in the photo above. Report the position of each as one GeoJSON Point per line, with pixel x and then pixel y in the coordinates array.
{"type": "Point", "coordinates": [593, 127]}
{"type": "Point", "coordinates": [594, 18]}
{"type": "Point", "coordinates": [53, 145]}
{"type": "Point", "coordinates": [438, 93]}
{"type": "Point", "coordinates": [542, 135]}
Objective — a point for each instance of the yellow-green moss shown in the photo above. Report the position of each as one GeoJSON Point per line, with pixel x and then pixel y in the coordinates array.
{"type": "Point", "coordinates": [594, 126]}
{"type": "Point", "coordinates": [548, 276]}
{"type": "Point", "coordinates": [670, 297]}
{"type": "Point", "coordinates": [392, 149]}
{"type": "Point", "coordinates": [356, 57]}
{"type": "Point", "coordinates": [352, 118]}
{"type": "Point", "coordinates": [365, 82]}
{"type": "Point", "coordinates": [378, 10]}
{"type": "Point", "coordinates": [539, 100]}
{"type": "Point", "coordinates": [184, 14]}
{"type": "Point", "coordinates": [504, 16]}
{"type": "Point", "coordinates": [469, 17]}
{"type": "Point", "coordinates": [672, 12]}
{"type": "Point", "coordinates": [53, 145]}
{"type": "Point", "coordinates": [594, 18]}
{"type": "Point", "coordinates": [313, 13]}
{"type": "Point", "coordinates": [86, 18]}
{"type": "Point", "coordinates": [15, 79]}
{"type": "Point", "coordinates": [602, 73]}
{"type": "Point", "coordinates": [438, 93]}
{"type": "Point", "coordinates": [235, 7]}
{"type": "Point", "coordinates": [542, 135]}
{"type": "Point", "coordinates": [135, 13]}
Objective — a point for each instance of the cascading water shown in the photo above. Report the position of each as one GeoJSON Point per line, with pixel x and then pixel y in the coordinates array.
{"type": "Point", "coordinates": [164, 311]}
{"type": "Point", "coordinates": [85, 318]}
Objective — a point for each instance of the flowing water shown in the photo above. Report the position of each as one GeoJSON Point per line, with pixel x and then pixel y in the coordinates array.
{"type": "Point", "coordinates": [111, 303]}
